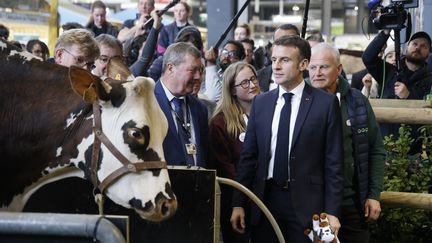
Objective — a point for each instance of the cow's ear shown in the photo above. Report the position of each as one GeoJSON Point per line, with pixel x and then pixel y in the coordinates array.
{"type": "Point", "coordinates": [81, 80]}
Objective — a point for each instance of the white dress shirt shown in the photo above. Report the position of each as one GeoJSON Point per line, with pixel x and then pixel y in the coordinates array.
{"type": "Point", "coordinates": [295, 105]}
{"type": "Point", "coordinates": [170, 97]}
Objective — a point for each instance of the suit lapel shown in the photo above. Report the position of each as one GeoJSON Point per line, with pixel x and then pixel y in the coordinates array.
{"type": "Point", "coordinates": [165, 106]}
{"type": "Point", "coordinates": [305, 104]}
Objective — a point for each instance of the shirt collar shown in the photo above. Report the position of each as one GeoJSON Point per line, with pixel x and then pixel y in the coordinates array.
{"type": "Point", "coordinates": [168, 93]}
{"type": "Point", "coordinates": [297, 91]}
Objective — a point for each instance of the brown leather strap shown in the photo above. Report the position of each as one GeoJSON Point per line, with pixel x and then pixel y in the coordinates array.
{"type": "Point", "coordinates": [130, 168]}
{"type": "Point", "coordinates": [127, 167]}
{"type": "Point", "coordinates": [96, 146]}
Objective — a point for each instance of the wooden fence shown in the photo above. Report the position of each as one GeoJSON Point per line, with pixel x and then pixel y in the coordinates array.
{"type": "Point", "coordinates": [409, 112]}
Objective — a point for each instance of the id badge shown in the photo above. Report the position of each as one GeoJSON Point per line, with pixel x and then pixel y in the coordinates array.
{"type": "Point", "coordinates": [191, 148]}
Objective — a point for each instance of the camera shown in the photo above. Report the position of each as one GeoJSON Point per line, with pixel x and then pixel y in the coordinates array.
{"type": "Point", "coordinates": [394, 15]}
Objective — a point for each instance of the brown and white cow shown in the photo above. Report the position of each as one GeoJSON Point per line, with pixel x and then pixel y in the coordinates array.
{"type": "Point", "coordinates": [46, 133]}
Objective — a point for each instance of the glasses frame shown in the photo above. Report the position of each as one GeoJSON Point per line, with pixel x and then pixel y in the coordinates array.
{"type": "Point", "coordinates": [231, 54]}
{"type": "Point", "coordinates": [79, 61]}
{"type": "Point", "coordinates": [245, 83]}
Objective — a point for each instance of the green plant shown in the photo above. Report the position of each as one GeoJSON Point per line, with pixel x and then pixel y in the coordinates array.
{"type": "Point", "coordinates": [406, 173]}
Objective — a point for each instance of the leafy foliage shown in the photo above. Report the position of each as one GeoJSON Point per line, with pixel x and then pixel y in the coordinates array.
{"type": "Point", "coordinates": [406, 173]}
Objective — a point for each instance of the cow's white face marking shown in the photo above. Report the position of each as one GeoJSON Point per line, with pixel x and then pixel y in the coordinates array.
{"type": "Point", "coordinates": [140, 107]}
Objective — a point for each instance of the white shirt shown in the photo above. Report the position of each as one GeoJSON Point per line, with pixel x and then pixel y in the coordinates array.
{"type": "Point", "coordinates": [295, 105]}
{"type": "Point", "coordinates": [170, 97]}
{"type": "Point", "coordinates": [212, 84]}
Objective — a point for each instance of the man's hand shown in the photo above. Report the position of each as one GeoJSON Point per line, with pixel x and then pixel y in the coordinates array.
{"type": "Point", "coordinates": [211, 55]}
{"type": "Point", "coordinates": [139, 26]}
{"type": "Point", "coordinates": [401, 90]}
{"type": "Point", "coordinates": [372, 209]}
{"type": "Point", "coordinates": [238, 220]}
{"type": "Point", "coordinates": [334, 223]}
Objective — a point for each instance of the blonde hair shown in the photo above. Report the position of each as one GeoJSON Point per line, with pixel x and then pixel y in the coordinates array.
{"type": "Point", "coordinates": [80, 37]}
{"type": "Point", "coordinates": [228, 104]}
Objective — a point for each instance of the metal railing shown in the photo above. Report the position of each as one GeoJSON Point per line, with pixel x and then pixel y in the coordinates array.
{"type": "Point", "coordinates": [65, 225]}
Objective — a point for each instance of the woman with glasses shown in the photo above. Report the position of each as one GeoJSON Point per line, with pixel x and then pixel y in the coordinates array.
{"type": "Point", "coordinates": [227, 132]}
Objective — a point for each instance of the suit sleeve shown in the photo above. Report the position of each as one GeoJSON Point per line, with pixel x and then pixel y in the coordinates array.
{"type": "Point", "coordinates": [378, 68]}
{"type": "Point", "coordinates": [334, 161]}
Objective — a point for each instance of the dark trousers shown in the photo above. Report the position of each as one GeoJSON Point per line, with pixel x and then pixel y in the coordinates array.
{"type": "Point", "coordinates": [278, 201]}
{"type": "Point", "coordinates": [353, 226]}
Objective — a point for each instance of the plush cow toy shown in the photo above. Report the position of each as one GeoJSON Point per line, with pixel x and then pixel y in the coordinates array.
{"type": "Point", "coordinates": [321, 232]}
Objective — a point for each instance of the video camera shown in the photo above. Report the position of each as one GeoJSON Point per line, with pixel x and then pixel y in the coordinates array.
{"type": "Point", "coordinates": [392, 16]}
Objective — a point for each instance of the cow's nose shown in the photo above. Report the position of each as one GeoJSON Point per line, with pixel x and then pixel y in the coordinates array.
{"type": "Point", "coordinates": [167, 207]}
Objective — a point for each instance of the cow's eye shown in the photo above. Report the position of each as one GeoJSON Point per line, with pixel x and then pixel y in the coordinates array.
{"type": "Point", "coordinates": [135, 133]}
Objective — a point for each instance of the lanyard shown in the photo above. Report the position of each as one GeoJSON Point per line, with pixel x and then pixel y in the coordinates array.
{"type": "Point", "coordinates": [185, 125]}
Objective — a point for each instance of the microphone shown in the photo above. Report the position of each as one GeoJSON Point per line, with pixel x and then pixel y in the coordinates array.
{"type": "Point", "coordinates": [373, 3]}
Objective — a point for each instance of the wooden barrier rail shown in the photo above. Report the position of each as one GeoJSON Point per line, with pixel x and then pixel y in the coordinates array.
{"type": "Point", "coordinates": [409, 112]}
{"type": "Point", "coordinates": [402, 111]}
{"type": "Point", "coordinates": [406, 200]}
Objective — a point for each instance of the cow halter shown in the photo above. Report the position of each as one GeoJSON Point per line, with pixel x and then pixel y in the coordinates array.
{"type": "Point", "coordinates": [127, 167]}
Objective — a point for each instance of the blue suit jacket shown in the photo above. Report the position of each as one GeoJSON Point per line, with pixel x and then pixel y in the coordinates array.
{"type": "Point", "coordinates": [316, 158]}
{"type": "Point", "coordinates": [172, 146]}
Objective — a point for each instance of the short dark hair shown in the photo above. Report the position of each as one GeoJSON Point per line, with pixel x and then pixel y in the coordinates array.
{"type": "Point", "coordinates": [249, 41]}
{"type": "Point", "coordinates": [240, 49]}
{"type": "Point", "coordinates": [290, 27]}
{"type": "Point", "coordinates": [295, 41]}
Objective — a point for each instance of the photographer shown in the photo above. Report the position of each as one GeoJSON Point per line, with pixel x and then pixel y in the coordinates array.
{"type": "Point", "coordinates": [413, 80]}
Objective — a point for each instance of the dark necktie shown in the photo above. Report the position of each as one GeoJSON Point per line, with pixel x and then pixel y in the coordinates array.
{"type": "Point", "coordinates": [182, 132]}
{"type": "Point", "coordinates": [280, 169]}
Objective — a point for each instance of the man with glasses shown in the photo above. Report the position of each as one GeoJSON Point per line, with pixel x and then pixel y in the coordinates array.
{"type": "Point", "coordinates": [76, 47]}
{"type": "Point", "coordinates": [233, 51]}
{"type": "Point", "coordinates": [109, 47]}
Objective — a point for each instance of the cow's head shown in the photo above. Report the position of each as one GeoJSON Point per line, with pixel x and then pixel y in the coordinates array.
{"type": "Point", "coordinates": [134, 123]}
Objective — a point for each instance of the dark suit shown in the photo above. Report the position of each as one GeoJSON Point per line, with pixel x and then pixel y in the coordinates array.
{"type": "Point", "coordinates": [316, 158]}
{"type": "Point", "coordinates": [199, 117]}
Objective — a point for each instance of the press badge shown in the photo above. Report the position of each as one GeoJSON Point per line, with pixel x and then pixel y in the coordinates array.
{"type": "Point", "coordinates": [191, 148]}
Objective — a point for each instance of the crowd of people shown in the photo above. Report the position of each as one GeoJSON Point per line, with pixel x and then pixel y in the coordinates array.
{"type": "Point", "coordinates": [283, 121]}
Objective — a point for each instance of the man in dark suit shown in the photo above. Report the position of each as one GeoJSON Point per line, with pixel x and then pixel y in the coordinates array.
{"type": "Point", "coordinates": [265, 74]}
{"type": "Point", "coordinates": [292, 156]}
{"type": "Point", "coordinates": [186, 141]}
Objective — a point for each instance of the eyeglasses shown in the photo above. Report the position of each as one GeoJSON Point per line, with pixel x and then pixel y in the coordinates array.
{"type": "Point", "coordinates": [245, 84]}
{"type": "Point", "coordinates": [79, 61]}
{"type": "Point", "coordinates": [229, 53]}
